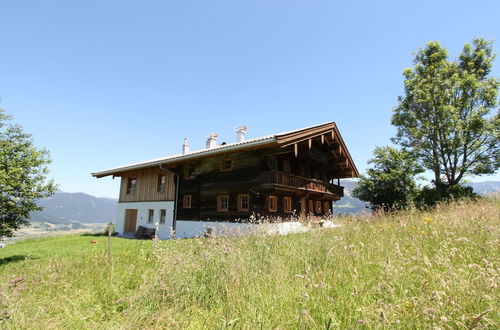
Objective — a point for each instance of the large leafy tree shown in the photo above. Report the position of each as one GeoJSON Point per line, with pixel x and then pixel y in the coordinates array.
{"type": "Point", "coordinates": [389, 184]}
{"type": "Point", "coordinates": [448, 117]}
{"type": "Point", "coordinates": [23, 176]}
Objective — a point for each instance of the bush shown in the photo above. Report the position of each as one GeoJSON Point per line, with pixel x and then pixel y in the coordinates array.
{"type": "Point", "coordinates": [430, 196]}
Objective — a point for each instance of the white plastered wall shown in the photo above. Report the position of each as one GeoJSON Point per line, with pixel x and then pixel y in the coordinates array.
{"type": "Point", "coordinates": [143, 208]}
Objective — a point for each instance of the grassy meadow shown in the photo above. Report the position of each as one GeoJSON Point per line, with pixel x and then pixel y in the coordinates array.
{"type": "Point", "coordinates": [436, 269]}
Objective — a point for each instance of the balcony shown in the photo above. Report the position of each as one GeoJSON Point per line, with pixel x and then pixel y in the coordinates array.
{"type": "Point", "coordinates": [299, 182]}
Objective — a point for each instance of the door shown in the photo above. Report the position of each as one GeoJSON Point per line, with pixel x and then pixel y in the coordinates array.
{"type": "Point", "coordinates": [130, 220]}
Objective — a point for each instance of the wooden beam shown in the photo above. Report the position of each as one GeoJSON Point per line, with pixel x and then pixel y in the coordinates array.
{"type": "Point", "coordinates": [322, 139]}
{"type": "Point", "coordinates": [296, 149]}
{"type": "Point", "coordinates": [310, 144]}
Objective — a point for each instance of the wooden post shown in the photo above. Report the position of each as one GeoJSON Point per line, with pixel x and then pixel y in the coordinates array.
{"type": "Point", "coordinates": [296, 149]}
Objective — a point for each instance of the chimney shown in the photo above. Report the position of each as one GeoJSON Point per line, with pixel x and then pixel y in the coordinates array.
{"type": "Point", "coordinates": [212, 140]}
{"type": "Point", "coordinates": [240, 133]}
{"type": "Point", "coordinates": [185, 147]}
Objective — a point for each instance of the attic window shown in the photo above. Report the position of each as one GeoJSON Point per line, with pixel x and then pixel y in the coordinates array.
{"type": "Point", "coordinates": [189, 172]}
{"type": "Point", "coordinates": [186, 202]}
{"type": "Point", "coordinates": [131, 186]}
{"type": "Point", "coordinates": [162, 180]}
{"type": "Point", "coordinates": [226, 165]}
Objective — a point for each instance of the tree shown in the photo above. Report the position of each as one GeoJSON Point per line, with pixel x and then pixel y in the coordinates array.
{"type": "Point", "coordinates": [444, 117]}
{"type": "Point", "coordinates": [390, 183]}
{"type": "Point", "coordinates": [23, 172]}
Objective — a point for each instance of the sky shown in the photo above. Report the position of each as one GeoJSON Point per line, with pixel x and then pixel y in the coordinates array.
{"type": "Point", "coordinates": [102, 84]}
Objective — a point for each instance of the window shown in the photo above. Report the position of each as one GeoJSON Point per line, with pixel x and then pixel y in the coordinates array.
{"type": "Point", "coordinates": [163, 215]}
{"type": "Point", "coordinates": [226, 165]}
{"type": "Point", "coordinates": [287, 167]}
{"type": "Point", "coordinates": [162, 180]}
{"type": "Point", "coordinates": [243, 203]}
{"type": "Point", "coordinates": [131, 186]}
{"type": "Point", "coordinates": [186, 202]}
{"type": "Point", "coordinates": [288, 204]}
{"type": "Point", "coordinates": [318, 207]}
{"type": "Point", "coordinates": [151, 215]}
{"type": "Point", "coordinates": [222, 203]}
{"type": "Point", "coordinates": [189, 172]}
{"type": "Point", "coordinates": [272, 203]}
{"type": "Point", "coordinates": [326, 207]}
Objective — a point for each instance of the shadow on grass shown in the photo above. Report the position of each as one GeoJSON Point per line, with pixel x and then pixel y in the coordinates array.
{"type": "Point", "coordinates": [16, 258]}
{"type": "Point", "coordinates": [98, 234]}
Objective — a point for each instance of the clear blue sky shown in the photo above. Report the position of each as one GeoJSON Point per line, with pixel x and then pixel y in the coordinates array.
{"type": "Point", "coordinates": [107, 83]}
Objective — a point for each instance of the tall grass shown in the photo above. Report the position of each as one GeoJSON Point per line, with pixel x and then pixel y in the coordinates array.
{"type": "Point", "coordinates": [415, 269]}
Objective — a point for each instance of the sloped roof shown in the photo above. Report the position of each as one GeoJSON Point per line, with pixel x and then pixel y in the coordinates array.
{"type": "Point", "coordinates": [263, 140]}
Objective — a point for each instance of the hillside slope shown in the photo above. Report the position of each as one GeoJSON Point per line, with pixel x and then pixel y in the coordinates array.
{"type": "Point", "coordinates": [63, 207]}
{"type": "Point", "coordinates": [417, 270]}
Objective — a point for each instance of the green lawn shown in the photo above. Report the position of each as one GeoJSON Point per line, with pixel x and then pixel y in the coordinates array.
{"type": "Point", "coordinates": [412, 270]}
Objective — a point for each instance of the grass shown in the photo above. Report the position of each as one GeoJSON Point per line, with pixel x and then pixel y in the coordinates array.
{"type": "Point", "coordinates": [412, 270]}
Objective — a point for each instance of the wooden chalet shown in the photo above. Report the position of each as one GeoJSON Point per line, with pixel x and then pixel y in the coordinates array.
{"type": "Point", "coordinates": [276, 175]}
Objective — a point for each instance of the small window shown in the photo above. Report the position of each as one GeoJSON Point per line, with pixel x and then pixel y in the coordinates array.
{"type": "Point", "coordinates": [226, 165]}
{"type": "Point", "coordinates": [243, 203]}
{"type": "Point", "coordinates": [272, 203]}
{"type": "Point", "coordinates": [151, 215]}
{"type": "Point", "coordinates": [326, 207]}
{"type": "Point", "coordinates": [288, 204]}
{"type": "Point", "coordinates": [162, 181]}
{"type": "Point", "coordinates": [186, 202]}
{"type": "Point", "coordinates": [318, 206]}
{"type": "Point", "coordinates": [189, 172]}
{"type": "Point", "coordinates": [287, 167]}
{"type": "Point", "coordinates": [222, 203]}
{"type": "Point", "coordinates": [163, 215]}
{"type": "Point", "coordinates": [131, 186]}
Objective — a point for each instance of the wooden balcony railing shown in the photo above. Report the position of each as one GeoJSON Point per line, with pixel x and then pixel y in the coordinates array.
{"type": "Point", "coordinates": [295, 181]}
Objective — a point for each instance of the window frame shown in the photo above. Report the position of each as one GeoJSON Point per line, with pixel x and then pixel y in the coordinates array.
{"type": "Point", "coordinates": [151, 215]}
{"type": "Point", "coordinates": [240, 203]}
{"type": "Point", "coordinates": [223, 163]}
{"type": "Point", "coordinates": [327, 206]}
{"type": "Point", "coordinates": [162, 184]}
{"type": "Point", "coordinates": [187, 201]}
{"type": "Point", "coordinates": [188, 174]}
{"type": "Point", "coordinates": [163, 216]}
{"type": "Point", "coordinates": [287, 204]}
{"type": "Point", "coordinates": [219, 203]}
{"type": "Point", "coordinates": [131, 188]}
{"type": "Point", "coordinates": [272, 206]}
{"type": "Point", "coordinates": [316, 208]}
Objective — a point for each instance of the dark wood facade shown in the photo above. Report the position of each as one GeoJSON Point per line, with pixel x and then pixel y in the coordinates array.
{"type": "Point", "coordinates": [295, 174]}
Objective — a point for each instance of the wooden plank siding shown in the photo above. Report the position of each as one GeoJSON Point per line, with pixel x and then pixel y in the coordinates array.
{"type": "Point", "coordinates": [147, 186]}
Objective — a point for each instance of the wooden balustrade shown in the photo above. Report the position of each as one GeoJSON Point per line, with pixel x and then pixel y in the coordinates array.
{"type": "Point", "coordinates": [295, 181]}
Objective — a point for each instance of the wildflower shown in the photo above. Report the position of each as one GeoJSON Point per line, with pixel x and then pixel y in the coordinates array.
{"type": "Point", "coordinates": [428, 220]}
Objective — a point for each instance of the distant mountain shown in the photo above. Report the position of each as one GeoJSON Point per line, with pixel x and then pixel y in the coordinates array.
{"type": "Point", "coordinates": [349, 204]}
{"type": "Point", "coordinates": [485, 188]}
{"type": "Point", "coordinates": [65, 208]}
